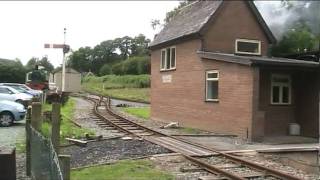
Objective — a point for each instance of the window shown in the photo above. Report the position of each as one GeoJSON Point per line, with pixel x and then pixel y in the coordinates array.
{"type": "Point", "coordinates": [212, 81]}
{"type": "Point", "coordinates": [280, 89]}
{"type": "Point", "coordinates": [5, 90]}
{"type": "Point", "coordinates": [245, 46]}
{"type": "Point", "coordinates": [168, 59]}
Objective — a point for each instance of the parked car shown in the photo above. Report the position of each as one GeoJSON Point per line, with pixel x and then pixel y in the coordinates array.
{"type": "Point", "coordinates": [24, 89]}
{"type": "Point", "coordinates": [10, 112]}
{"type": "Point", "coordinates": [10, 94]}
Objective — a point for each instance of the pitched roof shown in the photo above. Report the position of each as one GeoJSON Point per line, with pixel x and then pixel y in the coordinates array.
{"type": "Point", "coordinates": [192, 19]}
{"type": "Point", "coordinates": [257, 60]}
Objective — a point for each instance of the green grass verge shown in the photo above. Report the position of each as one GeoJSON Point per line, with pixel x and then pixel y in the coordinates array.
{"type": "Point", "coordinates": [127, 87]}
{"type": "Point", "coordinates": [67, 128]}
{"type": "Point", "coordinates": [141, 112]}
{"type": "Point", "coordinates": [122, 170]}
{"type": "Point", "coordinates": [189, 130]}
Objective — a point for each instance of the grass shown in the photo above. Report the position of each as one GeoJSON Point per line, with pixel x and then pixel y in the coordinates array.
{"type": "Point", "coordinates": [127, 87]}
{"type": "Point", "coordinates": [141, 112]}
{"type": "Point", "coordinates": [122, 170]}
{"type": "Point", "coordinates": [21, 146]}
{"type": "Point", "coordinates": [67, 128]}
{"type": "Point", "coordinates": [189, 130]}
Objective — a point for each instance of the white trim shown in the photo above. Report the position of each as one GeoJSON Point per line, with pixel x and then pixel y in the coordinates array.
{"type": "Point", "coordinates": [249, 41]}
{"type": "Point", "coordinates": [165, 59]}
{"type": "Point", "coordinates": [280, 85]}
{"type": "Point", "coordinates": [211, 79]}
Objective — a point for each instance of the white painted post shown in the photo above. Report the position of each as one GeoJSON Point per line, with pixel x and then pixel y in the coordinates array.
{"type": "Point", "coordinates": [63, 65]}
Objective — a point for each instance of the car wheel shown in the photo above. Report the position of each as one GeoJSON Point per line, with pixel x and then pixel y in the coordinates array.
{"type": "Point", "coordinates": [6, 119]}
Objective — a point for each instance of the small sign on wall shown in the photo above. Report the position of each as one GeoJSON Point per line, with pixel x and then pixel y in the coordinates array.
{"type": "Point", "coordinates": [166, 78]}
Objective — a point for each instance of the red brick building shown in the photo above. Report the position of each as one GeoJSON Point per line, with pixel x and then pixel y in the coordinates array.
{"type": "Point", "coordinates": [210, 70]}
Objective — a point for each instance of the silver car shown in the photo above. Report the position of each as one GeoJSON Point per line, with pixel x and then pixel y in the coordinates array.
{"type": "Point", "coordinates": [10, 94]}
{"type": "Point", "coordinates": [10, 112]}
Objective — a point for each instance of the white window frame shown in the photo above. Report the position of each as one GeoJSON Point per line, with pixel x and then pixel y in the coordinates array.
{"type": "Point", "coordinates": [249, 41]}
{"type": "Point", "coordinates": [212, 79]}
{"type": "Point", "coordinates": [165, 59]}
{"type": "Point", "coordinates": [281, 85]}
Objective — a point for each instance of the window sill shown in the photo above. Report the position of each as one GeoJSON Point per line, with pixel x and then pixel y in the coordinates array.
{"type": "Point", "coordinates": [282, 104]}
{"type": "Point", "coordinates": [212, 100]}
{"type": "Point", "coordinates": [165, 70]}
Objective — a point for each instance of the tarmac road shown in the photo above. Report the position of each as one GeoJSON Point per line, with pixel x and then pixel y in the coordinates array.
{"type": "Point", "coordinates": [10, 135]}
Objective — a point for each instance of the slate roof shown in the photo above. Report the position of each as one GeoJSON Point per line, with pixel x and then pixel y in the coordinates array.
{"type": "Point", "coordinates": [192, 18]}
{"type": "Point", "coordinates": [257, 60]}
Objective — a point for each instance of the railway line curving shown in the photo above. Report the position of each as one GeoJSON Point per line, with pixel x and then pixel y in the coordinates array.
{"type": "Point", "coordinates": [221, 165]}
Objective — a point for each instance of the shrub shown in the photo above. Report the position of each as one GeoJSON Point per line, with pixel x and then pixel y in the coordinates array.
{"type": "Point", "coordinates": [134, 65]}
{"type": "Point", "coordinates": [105, 70]}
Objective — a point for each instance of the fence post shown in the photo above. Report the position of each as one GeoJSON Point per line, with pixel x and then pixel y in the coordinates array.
{"type": "Point", "coordinates": [55, 132]}
{"type": "Point", "coordinates": [28, 151]}
{"type": "Point", "coordinates": [36, 119]}
{"type": "Point", "coordinates": [65, 165]}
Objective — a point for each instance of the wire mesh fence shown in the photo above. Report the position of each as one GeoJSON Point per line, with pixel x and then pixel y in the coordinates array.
{"type": "Point", "coordinates": [44, 160]}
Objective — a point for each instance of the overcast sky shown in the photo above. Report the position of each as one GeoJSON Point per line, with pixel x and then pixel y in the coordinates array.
{"type": "Point", "coordinates": [26, 26]}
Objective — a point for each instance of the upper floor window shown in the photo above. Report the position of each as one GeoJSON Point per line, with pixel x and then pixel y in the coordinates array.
{"type": "Point", "coordinates": [212, 83]}
{"type": "Point", "coordinates": [280, 89]}
{"type": "Point", "coordinates": [246, 46]}
{"type": "Point", "coordinates": [168, 58]}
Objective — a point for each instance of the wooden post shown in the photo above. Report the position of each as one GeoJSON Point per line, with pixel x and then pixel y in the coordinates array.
{"type": "Point", "coordinates": [28, 143]}
{"type": "Point", "coordinates": [65, 165]}
{"type": "Point", "coordinates": [36, 119]}
{"type": "Point", "coordinates": [55, 132]}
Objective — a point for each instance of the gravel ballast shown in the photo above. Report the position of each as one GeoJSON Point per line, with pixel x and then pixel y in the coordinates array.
{"type": "Point", "coordinates": [110, 150]}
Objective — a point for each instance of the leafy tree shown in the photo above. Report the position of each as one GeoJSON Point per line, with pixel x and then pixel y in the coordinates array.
{"type": "Point", "coordinates": [295, 40]}
{"type": "Point", "coordinates": [81, 59]}
{"type": "Point", "coordinates": [12, 71]}
{"type": "Point", "coordinates": [42, 62]}
{"type": "Point", "coordinates": [46, 64]}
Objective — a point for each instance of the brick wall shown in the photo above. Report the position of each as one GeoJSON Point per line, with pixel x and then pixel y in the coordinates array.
{"type": "Point", "coordinates": [235, 20]}
{"type": "Point", "coordinates": [303, 108]}
{"type": "Point", "coordinates": [183, 99]}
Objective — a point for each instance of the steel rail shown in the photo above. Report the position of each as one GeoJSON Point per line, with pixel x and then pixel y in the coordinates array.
{"type": "Point", "coordinates": [213, 169]}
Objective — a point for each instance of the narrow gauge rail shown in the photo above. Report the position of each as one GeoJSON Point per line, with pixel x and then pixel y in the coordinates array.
{"type": "Point", "coordinates": [221, 165]}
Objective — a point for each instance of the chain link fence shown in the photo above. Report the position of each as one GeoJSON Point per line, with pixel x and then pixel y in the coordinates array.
{"type": "Point", "coordinates": [43, 158]}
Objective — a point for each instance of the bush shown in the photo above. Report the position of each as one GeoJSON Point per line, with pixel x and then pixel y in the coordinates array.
{"type": "Point", "coordinates": [105, 70]}
{"type": "Point", "coordinates": [125, 81]}
{"type": "Point", "coordinates": [134, 66]}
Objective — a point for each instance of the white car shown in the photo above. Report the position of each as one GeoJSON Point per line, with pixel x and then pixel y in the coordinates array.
{"type": "Point", "coordinates": [10, 94]}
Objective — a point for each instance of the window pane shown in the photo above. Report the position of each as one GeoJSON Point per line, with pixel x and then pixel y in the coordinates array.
{"type": "Point", "coordinates": [249, 47]}
{"type": "Point", "coordinates": [163, 58]}
{"type": "Point", "coordinates": [212, 89]}
{"type": "Point", "coordinates": [173, 57]}
{"type": "Point", "coordinates": [285, 94]}
{"type": "Point", "coordinates": [212, 75]}
{"type": "Point", "coordinates": [168, 58]}
{"type": "Point", "coordinates": [275, 94]}
{"type": "Point", "coordinates": [281, 79]}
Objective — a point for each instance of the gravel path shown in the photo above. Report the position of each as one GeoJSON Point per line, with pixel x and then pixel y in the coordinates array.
{"type": "Point", "coordinates": [10, 135]}
{"type": "Point", "coordinates": [111, 150]}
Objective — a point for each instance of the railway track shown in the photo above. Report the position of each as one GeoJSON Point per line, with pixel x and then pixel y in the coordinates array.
{"type": "Point", "coordinates": [220, 165]}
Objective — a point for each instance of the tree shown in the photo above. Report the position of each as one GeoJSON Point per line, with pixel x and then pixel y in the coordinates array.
{"type": "Point", "coordinates": [81, 60]}
{"type": "Point", "coordinates": [46, 64]}
{"type": "Point", "coordinates": [12, 71]}
{"type": "Point", "coordinates": [295, 40]}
